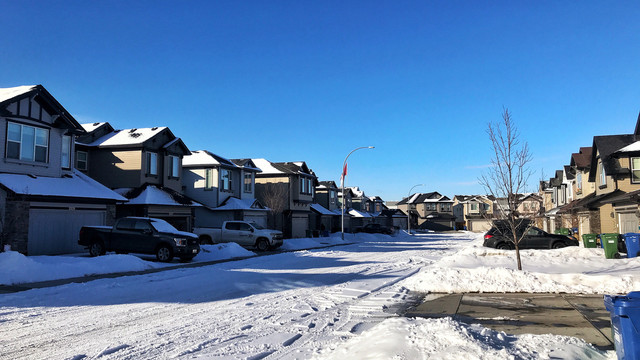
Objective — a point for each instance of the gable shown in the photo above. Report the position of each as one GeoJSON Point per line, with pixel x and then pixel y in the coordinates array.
{"type": "Point", "coordinates": [34, 103]}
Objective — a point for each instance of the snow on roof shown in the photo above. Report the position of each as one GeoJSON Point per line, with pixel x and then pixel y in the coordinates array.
{"type": "Point", "coordinates": [413, 198]}
{"type": "Point", "coordinates": [205, 158]}
{"type": "Point", "coordinates": [233, 203]}
{"type": "Point", "coordinates": [630, 148]}
{"type": "Point", "coordinates": [321, 209]}
{"type": "Point", "coordinates": [359, 214]}
{"type": "Point", "coordinates": [127, 137]}
{"type": "Point", "coordinates": [356, 191]}
{"type": "Point", "coordinates": [153, 195]}
{"type": "Point", "coordinates": [77, 185]}
{"type": "Point", "coordinates": [10, 93]}
{"type": "Point", "coordinates": [92, 126]}
{"type": "Point", "coordinates": [266, 166]}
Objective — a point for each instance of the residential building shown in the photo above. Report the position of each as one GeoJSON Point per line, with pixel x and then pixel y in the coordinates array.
{"type": "Point", "coordinates": [225, 188]}
{"type": "Point", "coordinates": [44, 201]}
{"type": "Point", "coordinates": [473, 212]}
{"type": "Point", "coordinates": [142, 164]}
{"type": "Point", "coordinates": [287, 188]}
{"type": "Point", "coordinates": [431, 211]}
{"type": "Point", "coordinates": [326, 208]}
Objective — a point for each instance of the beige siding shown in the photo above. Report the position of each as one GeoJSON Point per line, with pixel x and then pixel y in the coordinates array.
{"type": "Point", "coordinates": [608, 223]}
{"type": "Point", "coordinates": [116, 169]}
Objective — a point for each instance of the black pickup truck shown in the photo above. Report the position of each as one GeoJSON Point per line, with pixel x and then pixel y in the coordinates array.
{"type": "Point", "coordinates": [140, 235]}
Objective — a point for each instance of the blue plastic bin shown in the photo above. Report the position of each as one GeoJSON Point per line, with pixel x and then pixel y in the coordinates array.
{"type": "Point", "coordinates": [632, 241]}
{"type": "Point", "coordinates": [625, 324]}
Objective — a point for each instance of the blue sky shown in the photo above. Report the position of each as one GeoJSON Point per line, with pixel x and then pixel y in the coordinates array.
{"type": "Point", "coordinates": [301, 80]}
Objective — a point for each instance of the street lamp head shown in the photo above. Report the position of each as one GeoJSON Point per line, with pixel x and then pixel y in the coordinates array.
{"type": "Point", "coordinates": [371, 147]}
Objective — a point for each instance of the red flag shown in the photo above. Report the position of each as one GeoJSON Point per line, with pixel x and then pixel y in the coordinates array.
{"type": "Point", "coordinates": [344, 174]}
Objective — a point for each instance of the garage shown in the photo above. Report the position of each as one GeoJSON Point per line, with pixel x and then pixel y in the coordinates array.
{"type": "Point", "coordinates": [55, 231]}
{"type": "Point", "coordinates": [299, 225]}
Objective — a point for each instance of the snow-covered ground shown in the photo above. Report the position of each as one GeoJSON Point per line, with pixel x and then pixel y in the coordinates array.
{"type": "Point", "coordinates": [337, 302]}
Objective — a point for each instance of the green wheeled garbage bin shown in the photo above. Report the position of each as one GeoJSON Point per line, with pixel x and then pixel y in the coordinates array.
{"type": "Point", "coordinates": [589, 240]}
{"type": "Point", "coordinates": [625, 324]}
{"type": "Point", "coordinates": [563, 231]}
{"type": "Point", "coordinates": [610, 244]}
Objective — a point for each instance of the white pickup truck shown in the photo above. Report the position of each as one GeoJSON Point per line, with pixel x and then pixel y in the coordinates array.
{"type": "Point", "coordinates": [244, 233]}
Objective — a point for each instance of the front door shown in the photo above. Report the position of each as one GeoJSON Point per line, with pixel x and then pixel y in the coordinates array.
{"type": "Point", "coordinates": [627, 223]}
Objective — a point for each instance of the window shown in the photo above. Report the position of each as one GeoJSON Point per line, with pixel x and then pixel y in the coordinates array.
{"type": "Point", "coordinates": [474, 207]}
{"type": "Point", "coordinates": [603, 176]}
{"type": "Point", "coordinates": [65, 156]}
{"type": "Point", "coordinates": [303, 185]}
{"type": "Point", "coordinates": [635, 170]}
{"type": "Point", "coordinates": [208, 179]}
{"type": "Point", "coordinates": [247, 182]}
{"type": "Point", "coordinates": [225, 180]}
{"type": "Point", "coordinates": [332, 197]}
{"type": "Point", "coordinates": [27, 143]}
{"type": "Point", "coordinates": [174, 166]}
{"type": "Point", "coordinates": [446, 207]}
{"type": "Point", "coordinates": [81, 160]}
{"type": "Point", "coordinates": [309, 186]}
{"type": "Point", "coordinates": [579, 181]}
{"type": "Point", "coordinates": [152, 163]}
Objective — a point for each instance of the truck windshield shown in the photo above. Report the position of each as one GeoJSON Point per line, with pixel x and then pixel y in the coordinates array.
{"type": "Point", "coordinates": [256, 226]}
{"type": "Point", "coordinates": [163, 226]}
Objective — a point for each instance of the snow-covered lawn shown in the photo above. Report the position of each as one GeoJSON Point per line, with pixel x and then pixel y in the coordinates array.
{"type": "Point", "coordinates": [337, 302]}
{"type": "Point", "coordinates": [570, 270]}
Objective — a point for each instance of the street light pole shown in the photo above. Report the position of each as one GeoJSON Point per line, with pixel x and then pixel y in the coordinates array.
{"type": "Point", "coordinates": [344, 180]}
{"type": "Point", "coordinates": [409, 208]}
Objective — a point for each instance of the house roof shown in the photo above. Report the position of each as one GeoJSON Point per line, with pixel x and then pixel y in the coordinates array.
{"type": "Point", "coordinates": [75, 185]}
{"type": "Point", "coordinates": [246, 164]}
{"type": "Point", "coordinates": [328, 184]}
{"type": "Point", "coordinates": [234, 203]}
{"type": "Point", "coordinates": [127, 137]}
{"type": "Point", "coordinates": [430, 197]}
{"type": "Point", "coordinates": [321, 210]}
{"type": "Point", "coordinates": [206, 158]}
{"type": "Point", "coordinates": [47, 100]}
{"type": "Point", "coordinates": [393, 213]}
{"type": "Point", "coordinates": [605, 147]}
{"type": "Point", "coordinates": [359, 214]}
{"type": "Point", "coordinates": [284, 168]}
{"type": "Point", "coordinates": [582, 159]}
{"type": "Point", "coordinates": [89, 127]}
{"type": "Point", "coordinates": [149, 194]}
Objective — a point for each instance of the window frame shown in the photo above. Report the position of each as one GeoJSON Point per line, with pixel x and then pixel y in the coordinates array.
{"type": "Point", "coordinates": [86, 160]}
{"type": "Point", "coordinates": [36, 129]}
{"type": "Point", "coordinates": [634, 169]}
{"type": "Point", "coordinates": [66, 139]}
{"type": "Point", "coordinates": [150, 156]}
{"type": "Point", "coordinates": [226, 173]}
{"type": "Point", "coordinates": [248, 185]}
{"type": "Point", "coordinates": [208, 179]}
{"type": "Point", "coordinates": [603, 174]}
{"type": "Point", "coordinates": [174, 167]}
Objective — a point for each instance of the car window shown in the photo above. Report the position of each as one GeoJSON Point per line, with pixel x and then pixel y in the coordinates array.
{"type": "Point", "coordinates": [126, 224]}
{"type": "Point", "coordinates": [534, 232]}
{"type": "Point", "coordinates": [244, 227]}
{"type": "Point", "coordinates": [142, 225]}
{"type": "Point", "coordinates": [163, 226]}
{"type": "Point", "coordinates": [257, 226]}
{"type": "Point", "coordinates": [232, 226]}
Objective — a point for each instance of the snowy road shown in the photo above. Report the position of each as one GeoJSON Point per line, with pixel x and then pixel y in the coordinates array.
{"type": "Point", "coordinates": [291, 305]}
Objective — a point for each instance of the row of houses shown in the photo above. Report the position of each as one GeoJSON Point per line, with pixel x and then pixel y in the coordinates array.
{"type": "Point", "coordinates": [57, 175]}
{"type": "Point", "coordinates": [598, 191]}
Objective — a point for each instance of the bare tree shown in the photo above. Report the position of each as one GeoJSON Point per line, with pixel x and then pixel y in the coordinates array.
{"type": "Point", "coordinates": [275, 196]}
{"type": "Point", "coordinates": [507, 178]}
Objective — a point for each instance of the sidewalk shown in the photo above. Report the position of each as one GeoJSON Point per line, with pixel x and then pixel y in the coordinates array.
{"type": "Point", "coordinates": [581, 316]}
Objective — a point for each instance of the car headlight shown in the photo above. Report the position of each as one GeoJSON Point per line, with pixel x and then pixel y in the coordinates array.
{"type": "Point", "coordinates": [180, 241]}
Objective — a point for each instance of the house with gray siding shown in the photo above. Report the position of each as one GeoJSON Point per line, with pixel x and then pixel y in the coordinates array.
{"type": "Point", "coordinates": [44, 201]}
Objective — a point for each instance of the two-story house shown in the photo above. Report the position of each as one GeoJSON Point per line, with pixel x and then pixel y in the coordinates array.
{"type": "Point", "coordinates": [142, 164]}
{"type": "Point", "coordinates": [359, 211]}
{"type": "Point", "coordinates": [431, 211]}
{"type": "Point", "coordinates": [326, 214]}
{"type": "Point", "coordinates": [473, 212]}
{"type": "Point", "coordinates": [615, 164]}
{"type": "Point", "coordinates": [287, 189]}
{"type": "Point", "coordinates": [225, 188]}
{"type": "Point", "coordinates": [44, 201]}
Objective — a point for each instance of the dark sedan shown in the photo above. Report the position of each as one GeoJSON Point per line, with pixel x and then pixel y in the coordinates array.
{"type": "Point", "coordinates": [534, 238]}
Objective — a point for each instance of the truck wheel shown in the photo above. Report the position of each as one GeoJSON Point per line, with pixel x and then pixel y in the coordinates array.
{"type": "Point", "coordinates": [164, 253]}
{"type": "Point", "coordinates": [96, 248]}
{"type": "Point", "coordinates": [206, 240]}
{"type": "Point", "coordinates": [558, 245]}
{"type": "Point", "coordinates": [262, 245]}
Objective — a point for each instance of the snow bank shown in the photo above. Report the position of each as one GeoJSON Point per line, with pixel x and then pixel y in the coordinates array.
{"type": "Point", "coordinates": [570, 270]}
{"type": "Point", "coordinates": [402, 338]}
{"type": "Point", "coordinates": [221, 252]}
{"type": "Point", "coordinates": [17, 268]}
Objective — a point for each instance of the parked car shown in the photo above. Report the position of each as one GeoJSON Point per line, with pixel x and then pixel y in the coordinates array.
{"type": "Point", "coordinates": [500, 238]}
{"type": "Point", "coordinates": [140, 235]}
{"type": "Point", "coordinates": [376, 229]}
{"type": "Point", "coordinates": [247, 234]}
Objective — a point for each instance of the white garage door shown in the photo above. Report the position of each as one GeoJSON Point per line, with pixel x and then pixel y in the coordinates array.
{"type": "Point", "coordinates": [258, 219]}
{"type": "Point", "coordinates": [55, 231]}
{"type": "Point", "coordinates": [299, 226]}
{"type": "Point", "coordinates": [628, 223]}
